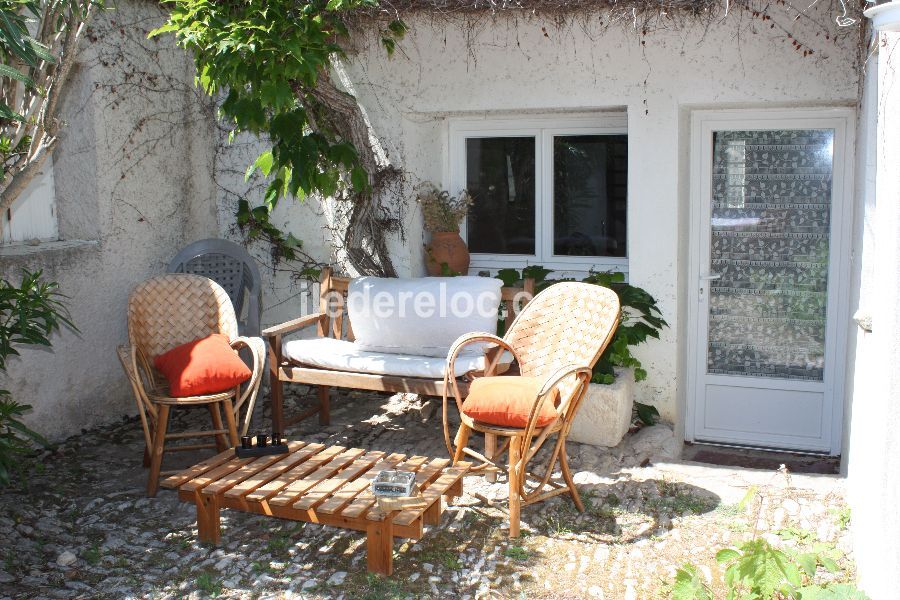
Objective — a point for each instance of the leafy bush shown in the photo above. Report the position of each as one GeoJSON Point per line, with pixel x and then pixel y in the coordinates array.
{"type": "Point", "coordinates": [758, 571]}
{"type": "Point", "coordinates": [29, 314]}
{"type": "Point", "coordinates": [641, 319]}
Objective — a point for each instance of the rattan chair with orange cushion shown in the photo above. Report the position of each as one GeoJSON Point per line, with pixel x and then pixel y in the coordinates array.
{"type": "Point", "coordinates": [556, 340]}
{"type": "Point", "coordinates": [163, 314]}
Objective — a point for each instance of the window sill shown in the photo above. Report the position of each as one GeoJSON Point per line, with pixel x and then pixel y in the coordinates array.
{"type": "Point", "coordinates": [29, 250]}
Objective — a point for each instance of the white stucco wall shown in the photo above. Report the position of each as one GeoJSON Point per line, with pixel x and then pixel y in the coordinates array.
{"type": "Point", "coordinates": [132, 187]}
{"type": "Point", "coordinates": [505, 65]}
{"type": "Point", "coordinates": [874, 432]}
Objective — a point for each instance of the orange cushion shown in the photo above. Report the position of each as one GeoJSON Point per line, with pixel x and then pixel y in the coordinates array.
{"type": "Point", "coordinates": [506, 401]}
{"type": "Point", "coordinates": [205, 366]}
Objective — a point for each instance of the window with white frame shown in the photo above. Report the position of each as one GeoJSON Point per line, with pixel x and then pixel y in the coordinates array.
{"type": "Point", "coordinates": [32, 215]}
{"type": "Point", "coordinates": [549, 191]}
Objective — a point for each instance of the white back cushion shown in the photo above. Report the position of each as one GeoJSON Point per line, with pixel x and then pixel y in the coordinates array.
{"type": "Point", "coordinates": [420, 316]}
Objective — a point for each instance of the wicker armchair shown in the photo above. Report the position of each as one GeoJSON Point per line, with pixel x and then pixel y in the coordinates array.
{"type": "Point", "coordinates": [557, 338]}
{"type": "Point", "coordinates": [165, 312]}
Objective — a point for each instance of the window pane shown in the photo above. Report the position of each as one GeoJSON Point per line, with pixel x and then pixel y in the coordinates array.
{"type": "Point", "coordinates": [590, 176]}
{"type": "Point", "coordinates": [771, 230]}
{"type": "Point", "coordinates": [500, 177]}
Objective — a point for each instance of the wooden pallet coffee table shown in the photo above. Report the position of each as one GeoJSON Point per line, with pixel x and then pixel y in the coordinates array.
{"type": "Point", "coordinates": [319, 484]}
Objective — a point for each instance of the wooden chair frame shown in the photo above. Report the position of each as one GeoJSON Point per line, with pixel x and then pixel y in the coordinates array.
{"type": "Point", "coordinates": [151, 392]}
{"type": "Point", "coordinates": [283, 371]}
{"type": "Point", "coordinates": [568, 381]}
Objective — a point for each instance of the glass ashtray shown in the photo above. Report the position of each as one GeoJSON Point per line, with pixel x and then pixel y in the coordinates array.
{"type": "Point", "coordinates": [394, 483]}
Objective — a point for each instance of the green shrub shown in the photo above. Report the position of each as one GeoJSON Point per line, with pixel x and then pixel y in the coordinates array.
{"type": "Point", "coordinates": [29, 314]}
{"type": "Point", "coordinates": [641, 318]}
{"type": "Point", "coordinates": [756, 570]}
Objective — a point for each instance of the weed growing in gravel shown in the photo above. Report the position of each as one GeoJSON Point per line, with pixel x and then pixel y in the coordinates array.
{"type": "Point", "coordinates": [443, 557]}
{"type": "Point", "coordinates": [681, 503]}
{"type": "Point", "coordinates": [755, 569]}
{"type": "Point", "coordinates": [380, 588]}
{"type": "Point", "coordinates": [92, 555]}
{"type": "Point", "coordinates": [517, 553]}
{"type": "Point", "coordinates": [279, 544]}
{"type": "Point", "coordinates": [261, 566]}
{"type": "Point", "coordinates": [842, 517]}
{"type": "Point", "coordinates": [208, 585]}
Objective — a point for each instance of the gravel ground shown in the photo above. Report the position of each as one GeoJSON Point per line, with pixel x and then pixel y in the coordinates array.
{"type": "Point", "coordinates": [83, 528]}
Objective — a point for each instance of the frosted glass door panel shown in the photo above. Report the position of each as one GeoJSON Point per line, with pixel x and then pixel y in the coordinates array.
{"type": "Point", "coordinates": [769, 243]}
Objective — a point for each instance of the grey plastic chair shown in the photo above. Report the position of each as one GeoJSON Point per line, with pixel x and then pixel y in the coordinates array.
{"type": "Point", "coordinates": [229, 265]}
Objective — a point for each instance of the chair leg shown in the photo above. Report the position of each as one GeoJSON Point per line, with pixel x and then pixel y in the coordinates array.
{"type": "Point", "coordinates": [277, 389]}
{"type": "Point", "coordinates": [490, 449]}
{"type": "Point", "coordinates": [567, 475]}
{"type": "Point", "coordinates": [159, 446]}
{"type": "Point", "coordinates": [461, 440]}
{"type": "Point", "coordinates": [146, 456]}
{"type": "Point", "coordinates": [228, 407]}
{"type": "Point", "coordinates": [515, 501]}
{"type": "Point", "coordinates": [324, 405]}
{"type": "Point", "coordinates": [221, 440]}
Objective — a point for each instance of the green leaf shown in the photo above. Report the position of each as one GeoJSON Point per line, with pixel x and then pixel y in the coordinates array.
{"type": "Point", "coordinates": [168, 27]}
{"type": "Point", "coordinates": [647, 413]}
{"type": "Point", "coordinates": [829, 563]}
{"type": "Point", "coordinates": [727, 555]}
{"type": "Point", "coordinates": [398, 28]}
{"type": "Point", "coordinates": [263, 162]}
{"type": "Point", "coordinates": [8, 113]}
{"type": "Point", "coordinates": [8, 71]}
{"type": "Point", "coordinates": [359, 178]}
{"type": "Point", "coordinates": [40, 50]}
{"type": "Point", "coordinates": [837, 591]}
{"type": "Point", "coordinates": [509, 277]}
{"type": "Point", "coordinates": [389, 44]}
{"type": "Point", "coordinates": [689, 586]}
{"type": "Point", "coordinates": [808, 562]}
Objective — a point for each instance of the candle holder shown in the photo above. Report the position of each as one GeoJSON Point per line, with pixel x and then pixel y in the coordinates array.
{"type": "Point", "coordinates": [263, 447]}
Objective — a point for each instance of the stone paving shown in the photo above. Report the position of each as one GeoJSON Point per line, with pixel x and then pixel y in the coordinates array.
{"type": "Point", "coordinates": [83, 528]}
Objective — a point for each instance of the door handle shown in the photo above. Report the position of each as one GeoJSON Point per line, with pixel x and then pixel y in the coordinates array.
{"type": "Point", "coordinates": [710, 276]}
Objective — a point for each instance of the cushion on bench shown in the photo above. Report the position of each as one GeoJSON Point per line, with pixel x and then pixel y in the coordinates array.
{"type": "Point", "coordinates": [341, 355]}
{"type": "Point", "coordinates": [421, 317]}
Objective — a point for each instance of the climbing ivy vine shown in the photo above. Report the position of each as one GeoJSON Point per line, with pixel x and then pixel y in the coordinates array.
{"type": "Point", "coordinates": [270, 61]}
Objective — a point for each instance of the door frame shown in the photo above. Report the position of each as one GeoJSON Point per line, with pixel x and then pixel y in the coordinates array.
{"type": "Point", "coordinates": [703, 122]}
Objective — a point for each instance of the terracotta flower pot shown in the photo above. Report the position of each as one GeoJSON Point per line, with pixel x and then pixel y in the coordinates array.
{"type": "Point", "coordinates": [446, 247]}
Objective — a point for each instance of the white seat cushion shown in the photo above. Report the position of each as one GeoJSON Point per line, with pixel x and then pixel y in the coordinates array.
{"type": "Point", "coordinates": [341, 355]}
{"type": "Point", "coordinates": [422, 316]}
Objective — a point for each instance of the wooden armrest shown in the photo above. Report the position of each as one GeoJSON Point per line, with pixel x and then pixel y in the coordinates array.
{"type": "Point", "coordinates": [293, 325]}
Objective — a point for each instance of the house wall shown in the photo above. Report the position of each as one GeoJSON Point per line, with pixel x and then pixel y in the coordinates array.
{"type": "Point", "coordinates": [132, 186]}
{"type": "Point", "coordinates": [507, 66]}
{"type": "Point", "coordinates": [874, 429]}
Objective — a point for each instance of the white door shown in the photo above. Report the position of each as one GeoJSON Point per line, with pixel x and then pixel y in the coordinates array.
{"type": "Point", "coordinates": [770, 211]}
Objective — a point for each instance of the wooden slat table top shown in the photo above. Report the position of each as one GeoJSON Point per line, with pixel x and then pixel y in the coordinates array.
{"type": "Point", "coordinates": [314, 482]}
{"type": "Point", "coordinates": [348, 492]}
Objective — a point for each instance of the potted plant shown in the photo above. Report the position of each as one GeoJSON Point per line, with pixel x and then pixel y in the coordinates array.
{"type": "Point", "coordinates": [447, 253]}
{"type": "Point", "coordinates": [608, 409]}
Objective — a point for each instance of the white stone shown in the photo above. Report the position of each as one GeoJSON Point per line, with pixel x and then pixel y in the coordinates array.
{"type": "Point", "coordinates": [791, 506]}
{"type": "Point", "coordinates": [66, 559]}
{"type": "Point", "coordinates": [595, 592]}
{"type": "Point", "coordinates": [605, 413]}
{"type": "Point", "coordinates": [658, 441]}
{"type": "Point", "coordinates": [338, 578]}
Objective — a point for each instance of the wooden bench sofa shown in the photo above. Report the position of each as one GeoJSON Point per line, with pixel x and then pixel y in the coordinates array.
{"type": "Point", "coordinates": [282, 370]}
